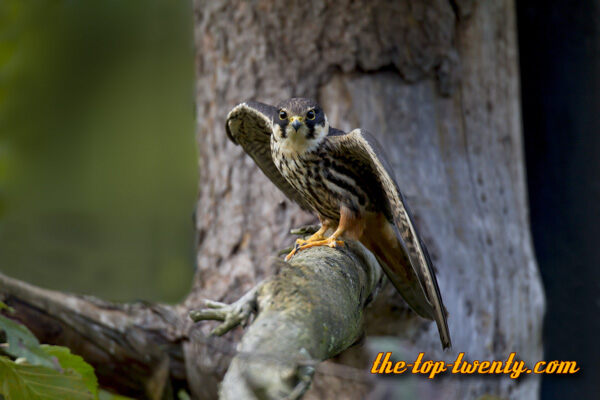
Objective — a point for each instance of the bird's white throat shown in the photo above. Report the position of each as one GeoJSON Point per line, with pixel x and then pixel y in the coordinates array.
{"type": "Point", "coordinates": [296, 142]}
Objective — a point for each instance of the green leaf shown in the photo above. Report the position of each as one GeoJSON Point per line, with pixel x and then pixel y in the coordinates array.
{"type": "Point", "coordinates": [3, 306]}
{"type": "Point", "coordinates": [74, 363]}
{"type": "Point", "coordinates": [22, 343]}
{"type": "Point", "coordinates": [34, 382]}
{"type": "Point", "coordinates": [183, 395]}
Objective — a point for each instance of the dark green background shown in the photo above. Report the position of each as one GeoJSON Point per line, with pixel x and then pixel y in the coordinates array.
{"type": "Point", "coordinates": [97, 152]}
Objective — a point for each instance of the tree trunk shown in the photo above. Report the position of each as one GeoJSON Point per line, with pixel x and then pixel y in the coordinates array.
{"type": "Point", "coordinates": [437, 83]}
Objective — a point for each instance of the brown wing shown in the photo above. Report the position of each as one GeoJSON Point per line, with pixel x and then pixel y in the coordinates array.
{"type": "Point", "coordinates": [415, 281]}
{"type": "Point", "coordinates": [249, 125]}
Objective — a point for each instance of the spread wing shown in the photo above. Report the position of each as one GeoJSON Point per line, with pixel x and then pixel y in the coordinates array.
{"type": "Point", "coordinates": [425, 299]}
{"type": "Point", "coordinates": [249, 125]}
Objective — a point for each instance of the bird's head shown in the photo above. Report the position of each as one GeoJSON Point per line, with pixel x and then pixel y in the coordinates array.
{"type": "Point", "coordinates": [300, 125]}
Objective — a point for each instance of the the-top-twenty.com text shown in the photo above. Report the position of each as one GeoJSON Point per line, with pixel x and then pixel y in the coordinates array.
{"type": "Point", "coordinates": [511, 367]}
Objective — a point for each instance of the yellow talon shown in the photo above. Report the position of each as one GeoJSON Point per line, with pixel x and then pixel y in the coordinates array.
{"type": "Point", "coordinates": [317, 239]}
{"type": "Point", "coordinates": [291, 253]}
{"type": "Point", "coordinates": [317, 236]}
{"type": "Point", "coordinates": [336, 243]}
{"type": "Point", "coordinates": [313, 238]}
{"type": "Point", "coordinates": [330, 241]}
{"type": "Point", "coordinates": [296, 249]}
{"type": "Point", "coordinates": [301, 243]}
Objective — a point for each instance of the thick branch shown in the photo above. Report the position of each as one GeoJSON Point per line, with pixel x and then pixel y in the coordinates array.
{"type": "Point", "coordinates": [135, 348]}
{"type": "Point", "coordinates": [311, 310]}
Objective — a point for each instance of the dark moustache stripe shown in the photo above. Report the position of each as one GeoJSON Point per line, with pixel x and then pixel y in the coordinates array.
{"type": "Point", "coordinates": [282, 127]}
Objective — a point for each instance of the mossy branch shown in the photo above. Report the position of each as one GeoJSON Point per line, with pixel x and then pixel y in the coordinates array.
{"type": "Point", "coordinates": [309, 311]}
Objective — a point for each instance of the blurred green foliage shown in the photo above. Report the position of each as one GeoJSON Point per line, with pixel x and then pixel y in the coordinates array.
{"type": "Point", "coordinates": [97, 152]}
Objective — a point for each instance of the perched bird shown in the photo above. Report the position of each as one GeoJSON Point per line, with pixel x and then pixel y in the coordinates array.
{"type": "Point", "coordinates": [346, 180]}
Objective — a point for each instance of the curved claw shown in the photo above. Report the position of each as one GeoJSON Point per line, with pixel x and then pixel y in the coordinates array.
{"type": "Point", "coordinates": [294, 251]}
{"type": "Point", "coordinates": [301, 242]}
{"type": "Point", "coordinates": [336, 243]}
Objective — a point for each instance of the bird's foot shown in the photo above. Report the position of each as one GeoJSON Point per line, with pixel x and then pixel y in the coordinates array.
{"type": "Point", "coordinates": [314, 238]}
{"type": "Point", "coordinates": [232, 315]}
{"type": "Point", "coordinates": [330, 241]}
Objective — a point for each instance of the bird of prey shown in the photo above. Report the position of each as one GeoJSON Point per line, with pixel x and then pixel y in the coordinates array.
{"type": "Point", "coordinates": [346, 180]}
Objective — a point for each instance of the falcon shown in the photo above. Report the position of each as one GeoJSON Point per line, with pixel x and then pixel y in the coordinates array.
{"type": "Point", "coordinates": [346, 180]}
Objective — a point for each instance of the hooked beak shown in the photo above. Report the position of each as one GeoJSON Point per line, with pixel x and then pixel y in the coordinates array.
{"type": "Point", "coordinates": [296, 122]}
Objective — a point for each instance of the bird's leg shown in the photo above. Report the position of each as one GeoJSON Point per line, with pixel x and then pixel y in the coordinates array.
{"type": "Point", "coordinates": [318, 235]}
{"type": "Point", "coordinates": [348, 222]}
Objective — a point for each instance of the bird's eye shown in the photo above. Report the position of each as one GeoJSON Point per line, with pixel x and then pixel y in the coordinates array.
{"type": "Point", "coordinates": [282, 115]}
{"type": "Point", "coordinates": [311, 114]}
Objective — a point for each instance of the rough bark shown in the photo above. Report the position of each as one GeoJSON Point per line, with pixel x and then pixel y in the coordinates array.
{"type": "Point", "coordinates": [437, 83]}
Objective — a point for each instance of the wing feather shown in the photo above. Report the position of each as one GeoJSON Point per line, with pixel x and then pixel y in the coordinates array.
{"type": "Point", "coordinates": [362, 145]}
{"type": "Point", "coordinates": [249, 125]}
